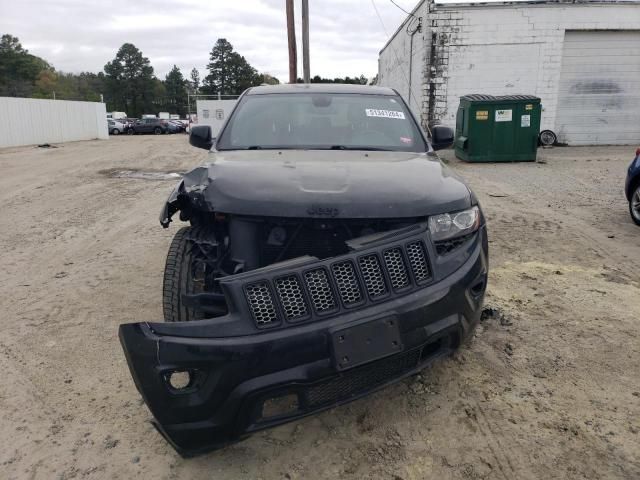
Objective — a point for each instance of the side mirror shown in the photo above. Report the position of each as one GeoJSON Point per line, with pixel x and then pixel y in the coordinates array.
{"type": "Point", "coordinates": [441, 137]}
{"type": "Point", "coordinates": [200, 137]}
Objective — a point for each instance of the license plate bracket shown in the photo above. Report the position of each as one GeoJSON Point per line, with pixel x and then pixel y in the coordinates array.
{"type": "Point", "coordinates": [366, 342]}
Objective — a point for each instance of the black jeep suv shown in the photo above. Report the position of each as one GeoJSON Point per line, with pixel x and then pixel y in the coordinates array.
{"type": "Point", "coordinates": [329, 253]}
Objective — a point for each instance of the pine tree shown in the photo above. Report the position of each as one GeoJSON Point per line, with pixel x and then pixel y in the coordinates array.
{"type": "Point", "coordinates": [130, 82]}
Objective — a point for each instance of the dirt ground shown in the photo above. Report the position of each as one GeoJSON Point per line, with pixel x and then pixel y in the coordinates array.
{"type": "Point", "coordinates": [549, 387]}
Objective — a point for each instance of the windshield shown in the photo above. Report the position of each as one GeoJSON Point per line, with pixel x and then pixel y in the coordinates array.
{"type": "Point", "coordinates": [322, 121]}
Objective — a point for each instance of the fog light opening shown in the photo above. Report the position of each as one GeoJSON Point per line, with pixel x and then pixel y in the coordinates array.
{"type": "Point", "coordinates": [280, 406]}
{"type": "Point", "coordinates": [179, 380]}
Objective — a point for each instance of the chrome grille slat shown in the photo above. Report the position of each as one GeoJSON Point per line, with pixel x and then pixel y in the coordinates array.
{"type": "Point", "coordinates": [261, 303]}
{"type": "Point", "coordinates": [291, 298]}
{"type": "Point", "coordinates": [348, 287]}
{"type": "Point", "coordinates": [373, 276]}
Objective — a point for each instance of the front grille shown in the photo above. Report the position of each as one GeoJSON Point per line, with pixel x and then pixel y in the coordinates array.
{"type": "Point", "coordinates": [291, 297]}
{"type": "Point", "coordinates": [373, 276]}
{"type": "Point", "coordinates": [394, 261]}
{"type": "Point", "coordinates": [320, 290]}
{"type": "Point", "coordinates": [360, 379]}
{"type": "Point", "coordinates": [348, 287]}
{"type": "Point", "coordinates": [261, 303]}
{"type": "Point", "coordinates": [345, 284]}
{"type": "Point", "coordinates": [418, 261]}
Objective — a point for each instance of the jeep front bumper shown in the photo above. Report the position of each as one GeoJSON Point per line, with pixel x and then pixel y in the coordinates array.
{"type": "Point", "coordinates": [303, 341]}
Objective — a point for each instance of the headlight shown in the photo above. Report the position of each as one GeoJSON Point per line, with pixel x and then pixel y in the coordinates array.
{"type": "Point", "coordinates": [451, 225]}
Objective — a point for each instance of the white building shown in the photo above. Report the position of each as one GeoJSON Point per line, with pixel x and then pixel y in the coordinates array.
{"type": "Point", "coordinates": [582, 58]}
{"type": "Point", "coordinates": [214, 113]}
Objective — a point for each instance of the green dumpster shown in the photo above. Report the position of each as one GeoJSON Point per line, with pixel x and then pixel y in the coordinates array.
{"type": "Point", "coordinates": [497, 129]}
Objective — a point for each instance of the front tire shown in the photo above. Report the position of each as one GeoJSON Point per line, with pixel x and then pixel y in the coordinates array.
{"type": "Point", "coordinates": [131, 131]}
{"type": "Point", "coordinates": [634, 204]}
{"type": "Point", "coordinates": [192, 268]}
{"type": "Point", "coordinates": [157, 130]}
{"type": "Point", "coordinates": [115, 131]}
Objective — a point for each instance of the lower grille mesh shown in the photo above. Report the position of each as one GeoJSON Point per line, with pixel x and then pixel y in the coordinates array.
{"type": "Point", "coordinates": [320, 290]}
{"type": "Point", "coordinates": [291, 298]}
{"type": "Point", "coordinates": [418, 261]}
{"type": "Point", "coordinates": [396, 267]}
{"type": "Point", "coordinates": [261, 303]}
{"type": "Point", "coordinates": [373, 276]}
{"type": "Point", "coordinates": [361, 379]}
{"type": "Point", "coordinates": [347, 282]}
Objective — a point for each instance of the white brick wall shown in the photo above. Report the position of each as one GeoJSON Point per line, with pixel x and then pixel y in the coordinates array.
{"type": "Point", "coordinates": [393, 64]}
{"type": "Point", "coordinates": [497, 49]}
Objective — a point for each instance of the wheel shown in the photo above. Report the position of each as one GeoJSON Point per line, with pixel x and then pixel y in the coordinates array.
{"type": "Point", "coordinates": [130, 131]}
{"type": "Point", "coordinates": [191, 268]}
{"type": "Point", "coordinates": [634, 205]}
{"type": "Point", "coordinates": [547, 138]}
{"type": "Point", "coordinates": [157, 130]}
{"type": "Point", "coordinates": [115, 131]}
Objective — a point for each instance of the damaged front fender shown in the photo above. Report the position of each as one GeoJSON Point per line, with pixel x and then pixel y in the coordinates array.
{"type": "Point", "coordinates": [172, 205]}
{"type": "Point", "coordinates": [187, 196]}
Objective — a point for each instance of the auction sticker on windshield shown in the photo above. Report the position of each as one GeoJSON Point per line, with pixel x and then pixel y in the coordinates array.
{"type": "Point", "coordinates": [373, 112]}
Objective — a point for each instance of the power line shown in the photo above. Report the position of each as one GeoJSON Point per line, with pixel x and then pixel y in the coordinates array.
{"type": "Point", "coordinates": [395, 54]}
{"type": "Point", "coordinates": [408, 13]}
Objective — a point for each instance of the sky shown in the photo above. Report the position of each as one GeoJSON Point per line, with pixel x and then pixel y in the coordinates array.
{"type": "Point", "coordinates": [83, 35]}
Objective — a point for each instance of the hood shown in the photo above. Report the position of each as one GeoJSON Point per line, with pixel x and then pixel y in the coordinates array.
{"type": "Point", "coordinates": [327, 184]}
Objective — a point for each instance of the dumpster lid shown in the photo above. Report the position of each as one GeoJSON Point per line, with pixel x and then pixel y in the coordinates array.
{"type": "Point", "coordinates": [492, 98]}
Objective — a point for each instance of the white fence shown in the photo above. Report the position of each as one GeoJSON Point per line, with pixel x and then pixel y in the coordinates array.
{"type": "Point", "coordinates": [30, 121]}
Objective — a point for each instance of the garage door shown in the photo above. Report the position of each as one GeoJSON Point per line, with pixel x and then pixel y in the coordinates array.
{"type": "Point", "coordinates": [599, 93]}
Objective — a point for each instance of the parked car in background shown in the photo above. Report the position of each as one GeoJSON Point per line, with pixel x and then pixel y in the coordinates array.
{"type": "Point", "coordinates": [632, 188]}
{"type": "Point", "coordinates": [148, 125]}
{"type": "Point", "coordinates": [172, 127]}
{"type": "Point", "coordinates": [115, 127]}
{"type": "Point", "coordinates": [179, 126]}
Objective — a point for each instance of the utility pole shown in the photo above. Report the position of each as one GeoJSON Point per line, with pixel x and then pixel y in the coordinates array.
{"type": "Point", "coordinates": [305, 42]}
{"type": "Point", "coordinates": [293, 53]}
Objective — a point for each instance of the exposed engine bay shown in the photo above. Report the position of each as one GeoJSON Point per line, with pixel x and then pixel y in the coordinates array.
{"type": "Point", "coordinates": [239, 244]}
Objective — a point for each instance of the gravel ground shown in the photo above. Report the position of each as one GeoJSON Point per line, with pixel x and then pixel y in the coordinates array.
{"type": "Point", "coordinates": [547, 388]}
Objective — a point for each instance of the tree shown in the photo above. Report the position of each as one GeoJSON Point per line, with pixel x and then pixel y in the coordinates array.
{"type": "Point", "coordinates": [268, 79]}
{"type": "Point", "coordinates": [176, 91]}
{"type": "Point", "coordinates": [195, 81]}
{"type": "Point", "coordinates": [45, 84]}
{"type": "Point", "coordinates": [130, 84]}
{"type": "Point", "coordinates": [361, 80]}
{"type": "Point", "coordinates": [229, 72]}
{"type": "Point", "coordinates": [19, 69]}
